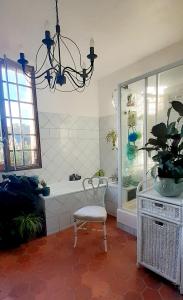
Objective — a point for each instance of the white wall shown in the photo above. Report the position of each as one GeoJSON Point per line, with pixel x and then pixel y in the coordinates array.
{"type": "Point", "coordinates": [108, 84]}
{"type": "Point", "coordinates": [74, 103]}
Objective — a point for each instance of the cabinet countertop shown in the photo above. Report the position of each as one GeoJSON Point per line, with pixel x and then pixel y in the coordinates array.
{"type": "Point", "coordinates": [153, 195]}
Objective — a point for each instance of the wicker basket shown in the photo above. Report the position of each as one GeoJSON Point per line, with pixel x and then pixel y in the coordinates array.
{"type": "Point", "coordinates": [158, 208]}
{"type": "Point", "coordinates": [160, 246]}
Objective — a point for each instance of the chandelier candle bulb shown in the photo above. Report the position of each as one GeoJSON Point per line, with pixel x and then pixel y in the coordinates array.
{"type": "Point", "coordinates": [92, 43]}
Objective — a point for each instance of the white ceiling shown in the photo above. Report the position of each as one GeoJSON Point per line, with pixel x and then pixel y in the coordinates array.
{"type": "Point", "coordinates": [124, 30]}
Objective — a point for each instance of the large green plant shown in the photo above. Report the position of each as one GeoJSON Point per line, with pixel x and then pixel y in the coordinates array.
{"type": "Point", "coordinates": [167, 145]}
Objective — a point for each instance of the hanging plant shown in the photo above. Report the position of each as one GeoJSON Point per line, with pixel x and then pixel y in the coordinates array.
{"type": "Point", "coordinates": [111, 137]}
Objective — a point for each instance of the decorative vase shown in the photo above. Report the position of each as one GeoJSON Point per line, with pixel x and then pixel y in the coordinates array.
{"type": "Point", "coordinates": [167, 187]}
{"type": "Point", "coordinates": [46, 191]}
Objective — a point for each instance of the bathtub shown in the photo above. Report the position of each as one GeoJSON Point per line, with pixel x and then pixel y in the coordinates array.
{"type": "Point", "coordinates": [68, 196]}
{"type": "Point", "coordinates": [65, 187]}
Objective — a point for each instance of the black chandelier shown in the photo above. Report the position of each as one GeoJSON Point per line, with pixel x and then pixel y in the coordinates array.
{"type": "Point", "coordinates": [57, 74]}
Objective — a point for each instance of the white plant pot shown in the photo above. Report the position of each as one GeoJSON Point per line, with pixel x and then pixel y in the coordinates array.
{"type": "Point", "coordinates": [167, 186]}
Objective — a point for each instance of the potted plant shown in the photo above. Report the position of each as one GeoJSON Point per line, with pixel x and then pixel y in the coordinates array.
{"type": "Point", "coordinates": [22, 212]}
{"type": "Point", "coordinates": [100, 173]}
{"type": "Point", "coordinates": [167, 147]}
{"type": "Point", "coordinates": [111, 137]}
{"type": "Point", "coordinates": [45, 189]}
{"type": "Point", "coordinates": [28, 226]}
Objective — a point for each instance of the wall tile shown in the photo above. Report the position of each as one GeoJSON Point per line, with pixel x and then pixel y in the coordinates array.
{"type": "Point", "coordinates": [108, 157]}
{"type": "Point", "coordinates": [69, 144]}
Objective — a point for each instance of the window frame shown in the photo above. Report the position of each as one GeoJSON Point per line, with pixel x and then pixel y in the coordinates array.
{"type": "Point", "coordinates": [6, 150]}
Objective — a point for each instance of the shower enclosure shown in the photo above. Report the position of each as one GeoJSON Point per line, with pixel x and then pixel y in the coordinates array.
{"type": "Point", "coordinates": [142, 103]}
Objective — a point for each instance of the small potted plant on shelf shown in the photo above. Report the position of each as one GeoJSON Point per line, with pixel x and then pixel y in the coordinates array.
{"type": "Point", "coordinates": [100, 173]}
{"type": "Point", "coordinates": [167, 147]}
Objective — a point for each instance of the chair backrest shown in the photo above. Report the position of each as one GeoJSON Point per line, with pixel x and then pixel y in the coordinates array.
{"type": "Point", "coordinates": [95, 189]}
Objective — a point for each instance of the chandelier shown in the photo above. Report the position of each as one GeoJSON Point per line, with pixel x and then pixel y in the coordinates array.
{"type": "Point", "coordinates": [53, 73]}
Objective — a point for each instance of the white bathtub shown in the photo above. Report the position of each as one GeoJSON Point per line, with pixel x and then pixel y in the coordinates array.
{"type": "Point", "coordinates": [65, 187]}
{"type": "Point", "coordinates": [68, 196]}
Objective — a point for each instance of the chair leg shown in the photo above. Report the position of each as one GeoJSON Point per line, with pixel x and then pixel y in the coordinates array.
{"type": "Point", "coordinates": [105, 237]}
{"type": "Point", "coordinates": [75, 233]}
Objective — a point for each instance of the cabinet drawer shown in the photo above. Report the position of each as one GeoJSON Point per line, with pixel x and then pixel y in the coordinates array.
{"type": "Point", "coordinates": [160, 246]}
{"type": "Point", "coordinates": [162, 209]}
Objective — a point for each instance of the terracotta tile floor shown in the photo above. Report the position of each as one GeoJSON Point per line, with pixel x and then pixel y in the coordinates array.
{"type": "Point", "coordinates": [49, 268]}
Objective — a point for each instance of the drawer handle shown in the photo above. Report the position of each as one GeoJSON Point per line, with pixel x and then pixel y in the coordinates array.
{"type": "Point", "coordinates": [159, 223]}
{"type": "Point", "coordinates": [159, 205]}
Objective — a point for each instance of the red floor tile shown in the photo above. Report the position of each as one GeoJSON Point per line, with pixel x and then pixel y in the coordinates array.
{"type": "Point", "coordinates": [150, 294]}
{"type": "Point", "coordinates": [50, 269]}
{"type": "Point", "coordinates": [132, 295]}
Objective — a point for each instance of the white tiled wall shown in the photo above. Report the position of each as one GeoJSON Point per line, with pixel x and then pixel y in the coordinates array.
{"type": "Point", "coordinates": [69, 145]}
{"type": "Point", "coordinates": [74, 144]}
{"type": "Point", "coordinates": [108, 157]}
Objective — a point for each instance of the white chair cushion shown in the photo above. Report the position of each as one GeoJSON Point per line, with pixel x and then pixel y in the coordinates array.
{"type": "Point", "coordinates": [91, 213]}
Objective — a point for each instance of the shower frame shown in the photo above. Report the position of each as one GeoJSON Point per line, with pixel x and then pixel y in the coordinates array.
{"type": "Point", "coordinates": [144, 77]}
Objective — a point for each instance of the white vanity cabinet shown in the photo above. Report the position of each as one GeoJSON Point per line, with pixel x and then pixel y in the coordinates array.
{"type": "Point", "coordinates": [160, 235]}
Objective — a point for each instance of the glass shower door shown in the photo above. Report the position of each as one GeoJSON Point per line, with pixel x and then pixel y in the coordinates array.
{"type": "Point", "coordinates": [132, 138]}
{"type": "Point", "coordinates": [143, 104]}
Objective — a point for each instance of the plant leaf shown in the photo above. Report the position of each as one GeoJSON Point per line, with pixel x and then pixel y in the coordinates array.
{"type": "Point", "coordinates": [148, 148]}
{"type": "Point", "coordinates": [159, 130]}
{"type": "Point", "coordinates": [178, 106]}
{"type": "Point", "coordinates": [160, 143]}
{"type": "Point", "coordinates": [180, 148]}
{"type": "Point", "coordinates": [178, 120]}
{"type": "Point", "coordinates": [171, 129]}
{"type": "Point", "coordinates": [181, 133]}
{"type": "Point", "coordinates": [156, 157]}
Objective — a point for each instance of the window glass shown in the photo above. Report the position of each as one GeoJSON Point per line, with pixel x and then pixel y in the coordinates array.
{"type": "Point", "coordinates": [11, 75]}
{"type": "Point", "coordinates": [26, 110]}
{"type": "Point", "coordinates": [7, 109]}
{"type": "Point", "coordinates": [19, 158]}
{"type": "Point", "coordinates": [9, 128]}
{"type": "Point", "coordinates": [13, 91]}
{"type": "Point", "coordinates": [18, 141]}
{"type": "Point", "coordinates": [29, 142]}
{"type": "Point", "coordinates": [28, 127]}
{"type": "Point", "coordinates": [22, 79]}
{"type": "Point", "coordinates": [25, 94]}
{"type": "Point", "coordinates": [16, 126]}
{"type": "Point", "coordinates": [3, 72]}
{"type": "Point", "coordinates": [20, 128]}
{"type": "Point", "coordinates": [5, 90]}
{"type": "Point", "coordinates": [14, 109]}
